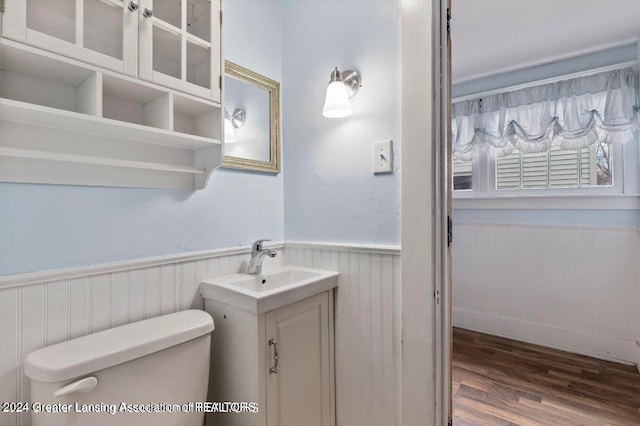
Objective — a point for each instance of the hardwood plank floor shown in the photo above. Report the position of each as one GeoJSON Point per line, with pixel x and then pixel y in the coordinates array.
{"type": "Point", "coordinates": [499, 381]}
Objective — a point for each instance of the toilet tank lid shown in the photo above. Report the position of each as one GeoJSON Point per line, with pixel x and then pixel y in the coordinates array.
{"type": "Point", "coordinates": [104, 349]}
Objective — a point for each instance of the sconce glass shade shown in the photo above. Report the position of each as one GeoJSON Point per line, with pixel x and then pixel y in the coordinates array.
{"type": "Point", "coordinates": [342, 86]}
{"type": "Point", "coordinates": [229, 131]}
{"type": "Point", "coordinates": [238, 117]}
{"type": "Point", "coordinates": [337, 102]}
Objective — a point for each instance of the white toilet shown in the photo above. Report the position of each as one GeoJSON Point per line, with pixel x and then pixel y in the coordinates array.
{"type": "Point", "coordinates": [161, 364]}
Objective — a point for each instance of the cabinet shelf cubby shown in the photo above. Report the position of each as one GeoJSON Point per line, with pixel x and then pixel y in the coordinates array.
{"type": "Point", "coordinates": [195, 118]}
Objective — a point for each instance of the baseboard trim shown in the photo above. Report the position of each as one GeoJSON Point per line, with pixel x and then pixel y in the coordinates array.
{"type": "Point", "coordinates": [597, 346]}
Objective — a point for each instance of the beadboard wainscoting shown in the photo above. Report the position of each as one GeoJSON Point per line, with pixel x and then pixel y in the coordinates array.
{"type": "Point", "coordinates": [367, 328]}
{"type": "Point", "coordinates": [571, 288]}
{"type": "Point", "coordinates": [44, 308]}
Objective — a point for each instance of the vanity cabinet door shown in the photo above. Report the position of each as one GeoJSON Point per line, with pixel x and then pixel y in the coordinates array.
{"type": "Point", "coordinates": [299, 363]}
{"type": "Point", "coordinates": [180, 45]}
{"type": "Point", "coordinates": [99, 32]}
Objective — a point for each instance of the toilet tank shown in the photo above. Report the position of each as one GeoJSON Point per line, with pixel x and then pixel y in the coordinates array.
{"type": "Point", "coordinates": [152, 372]}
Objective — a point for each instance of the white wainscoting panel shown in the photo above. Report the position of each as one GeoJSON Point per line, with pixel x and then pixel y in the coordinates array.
{"type": "Point", "coordinates": [44, 308]}
{"type": "Point", "coordinates": [572, 288]}
{"type": "Point", "coordinates": [367, 325]}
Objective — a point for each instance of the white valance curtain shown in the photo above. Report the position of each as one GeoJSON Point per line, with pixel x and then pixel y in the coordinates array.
{"type": "Point", "coordinates": [570, 114]}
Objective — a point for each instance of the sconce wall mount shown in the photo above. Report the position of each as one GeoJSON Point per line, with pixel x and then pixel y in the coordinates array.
{"type": "Point", "coordinates": [351, 80]}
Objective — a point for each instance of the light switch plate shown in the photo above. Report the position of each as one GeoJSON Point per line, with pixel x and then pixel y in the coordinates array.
{"type": "Point", "coordinates": [383, 157]}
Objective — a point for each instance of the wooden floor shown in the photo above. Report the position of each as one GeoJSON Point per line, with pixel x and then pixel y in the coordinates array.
{"type": "Point", "coordinates": [498, 381]}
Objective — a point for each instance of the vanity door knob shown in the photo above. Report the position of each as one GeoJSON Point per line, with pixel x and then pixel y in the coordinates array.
{"type": "Point", "coordinates": [148, 13]}
{"type": "Point", "coordinates": [133, 6]}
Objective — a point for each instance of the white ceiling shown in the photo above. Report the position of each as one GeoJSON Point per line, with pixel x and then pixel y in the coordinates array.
{"type": "Point", "coordinates": [495, 36]}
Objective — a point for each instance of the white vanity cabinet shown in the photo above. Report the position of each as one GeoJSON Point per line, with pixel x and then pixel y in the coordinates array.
{"type": "Point", "coordinates": [281, 359]}
{"type": "Point", "coordinates": [173, 43]}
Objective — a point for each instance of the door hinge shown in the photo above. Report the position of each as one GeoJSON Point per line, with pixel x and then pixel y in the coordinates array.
{"type": "Point", "coordinates": [220, 82]}
{"type": "Point", "coordinates": [450, 422]}
{"type": "Point", "coordinates": [1, 6]}
{"type": "Point", "coordinates": [449, 230]}
{"type": "Point", "coordinates": [448, 23]}
{"type": "Point", "coordinates": [220, 18]}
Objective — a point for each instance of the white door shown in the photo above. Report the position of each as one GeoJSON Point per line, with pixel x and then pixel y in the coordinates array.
{"type": "Point", "coordinates": [180, 45]}
{"type": "Point", "coordinates": [299, 366]}
{"type": "Point", "coordinates": [99, 32]}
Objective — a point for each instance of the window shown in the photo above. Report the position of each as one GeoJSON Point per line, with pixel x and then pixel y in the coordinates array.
{"type": "Point", "coordinates": [556, 168]}
{"type": "Point", "coordinates": [567, 136]}
{"type": "Point", "coordinates": [462, 175]}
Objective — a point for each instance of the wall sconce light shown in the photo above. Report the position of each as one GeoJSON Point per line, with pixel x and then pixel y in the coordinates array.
{"type": "Point", "coordinates": [342, 86]}
{"type": "Point", "coordinates": [232, 122]}
{"type": "Point", "coordinates": [238, 117]}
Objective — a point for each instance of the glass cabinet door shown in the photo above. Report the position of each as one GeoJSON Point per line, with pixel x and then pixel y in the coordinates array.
{"type": "Point", "coordinates": [100, 32]}
{"type": "Point", "coordinates": [180, 45]}
{"type": "Point", "coordinates": [109, 28]}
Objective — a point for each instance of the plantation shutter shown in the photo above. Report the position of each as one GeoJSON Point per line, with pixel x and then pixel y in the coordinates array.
{"type": "Point", "coordinates": [557, 168]}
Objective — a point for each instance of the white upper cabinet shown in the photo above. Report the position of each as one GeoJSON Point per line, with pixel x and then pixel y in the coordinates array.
{"type": "Point", "coordinates": [99, 32]}
{"type": "Point", "coordinates": [172, 43]}
{"type": "Point", "coordinates": [180, 45]}
{"type": "Point", "coordinates": [118, 93]}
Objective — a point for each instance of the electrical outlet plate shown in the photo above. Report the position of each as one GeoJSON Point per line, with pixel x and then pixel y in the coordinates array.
{"type": "Point", "coordinates": [382, 157]}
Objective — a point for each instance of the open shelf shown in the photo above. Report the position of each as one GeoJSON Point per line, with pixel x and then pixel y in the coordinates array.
{"type": "Point", "coordinates": [196, 118]}
{"type": "Point", "coordinates": [35, 79]}
{"type": "Point", "coordinates": [69, 123]}
{"type": "Point", "coordinates": [127, 101]}
{"type": "Point", "coordinates": [97, 161]}
{"type": "Point", "coordinates": [53, 118]}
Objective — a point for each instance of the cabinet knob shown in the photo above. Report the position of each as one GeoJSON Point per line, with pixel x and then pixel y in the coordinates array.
{"type": "Point", "coordinates": [133, 6]}
{"type": "Point", "coordinates": [148, 13]}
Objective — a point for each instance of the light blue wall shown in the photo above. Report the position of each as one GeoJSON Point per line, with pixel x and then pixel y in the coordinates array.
{"type": "Point", "coordinates": [622, 218]}
{"type": "Point", "coordinates": [553, 69]}
{"type": "Point", "coordinates": [50, 227]}
{"type": "Point", "coordinates": [331, 193]}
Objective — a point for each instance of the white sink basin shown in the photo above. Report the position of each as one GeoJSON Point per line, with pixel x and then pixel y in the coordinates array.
{"type": "Point", "coordinates": [270, 290]}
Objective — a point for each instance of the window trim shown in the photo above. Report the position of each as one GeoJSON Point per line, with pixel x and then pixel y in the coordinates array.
{"type": "Point", "coordinates": [551, 202]}
{"type": "Point", "coordinates": [623, 195]}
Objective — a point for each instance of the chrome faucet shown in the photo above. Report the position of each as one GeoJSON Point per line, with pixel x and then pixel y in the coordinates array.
{"type": "Point", "coordinates": [257, 255]}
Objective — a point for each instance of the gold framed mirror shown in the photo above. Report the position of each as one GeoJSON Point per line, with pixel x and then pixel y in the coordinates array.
{"type": "Point", "coordinates": [252, 121]}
